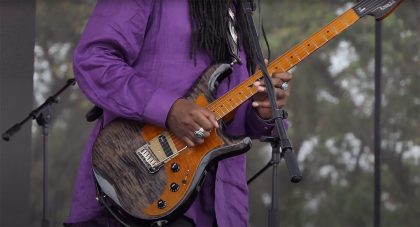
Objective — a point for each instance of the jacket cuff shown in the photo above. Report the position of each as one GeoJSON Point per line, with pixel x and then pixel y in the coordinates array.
{"type": "Point", "coordinates": [256, 126]}
{"type": "Point", "coordinates": [158, 107]}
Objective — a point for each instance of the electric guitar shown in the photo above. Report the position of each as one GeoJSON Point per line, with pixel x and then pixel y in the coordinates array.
{"type": "Point", "coordinates": [146, 174]}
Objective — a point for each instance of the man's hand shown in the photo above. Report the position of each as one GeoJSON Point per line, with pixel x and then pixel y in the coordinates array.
{"type": "Point", "coordinates": [260, 99]}
{"type": "Point", "coordinates": [185, 117]}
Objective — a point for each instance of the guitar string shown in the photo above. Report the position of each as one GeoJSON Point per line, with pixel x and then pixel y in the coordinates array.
{"type": "Point", "coordinates": [297, 51]}
{"type": "Point", "coordinates": [279, 62]}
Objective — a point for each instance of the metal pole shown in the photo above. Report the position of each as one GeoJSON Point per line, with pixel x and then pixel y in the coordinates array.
{"type": "Point", "coordinates": [377, 121]}
{"type": "Point", "coordinates": [45, 132]}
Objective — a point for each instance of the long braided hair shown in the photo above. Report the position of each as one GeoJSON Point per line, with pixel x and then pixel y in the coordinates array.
{"type": "Point", "coordinates": [210, 23]}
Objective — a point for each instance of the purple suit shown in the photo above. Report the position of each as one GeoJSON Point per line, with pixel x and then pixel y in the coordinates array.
{"type": "Point", "coordinates": [133, 60]}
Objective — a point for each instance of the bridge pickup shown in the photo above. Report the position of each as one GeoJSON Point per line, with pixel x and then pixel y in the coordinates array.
{"type": "Point", "coordinates": [156, 152]}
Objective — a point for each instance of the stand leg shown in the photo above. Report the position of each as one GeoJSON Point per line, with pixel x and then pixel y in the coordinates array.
{"type": "Point", "coordinates": [270, 163]}
{"type": "Point", "coordinates": [44, 120]}
{"type": "Point", "coordinates": [274, 214]}
{"type": "Point", "coordinates": [45, 222]}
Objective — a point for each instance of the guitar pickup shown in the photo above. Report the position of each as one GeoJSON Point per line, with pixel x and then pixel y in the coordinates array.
{"type": "Point", "coordinates": [165, 146]}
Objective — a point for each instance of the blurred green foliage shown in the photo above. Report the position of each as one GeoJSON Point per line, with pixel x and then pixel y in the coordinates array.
{"type": "Point", "coordinates": [330, 109]}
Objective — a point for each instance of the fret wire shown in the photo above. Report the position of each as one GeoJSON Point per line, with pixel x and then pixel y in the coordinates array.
{"type": "Point", "coordinates": [330, 29]}
{"type": "Point", "coordinates": [225, 106]}
{"type": "Point", "coordinates": [301, 49]}
{"type": "Point", "coordinates": [235, 103]}
{"type": "Point", "coordinates": [304, 46]}
{"type": "Point", "coordinates": [343, 21]}
{"type": "Point", "coordinates": [290, 58]}
{"type": "Point", "coordinates": [303, 53]}
{"type": "Point", "coordinates": [234, 92]}
{"type": "Point", "coordinates": [250, 91]}
{"type": "Point", "coordinates": [339, 21]}
{"type": "Point", "coordinates": [247, 90]}
{"type": "Point", "coordinates": [275, 64]}
{"type": "Point", "coordinates": [311, 45]}
{"type": "Point", "coordinates": [215, 111]}
{"type": "Point", "coordinates": [229, 95]}
{"type": "Point", "coordinates": [280, 62]}
{"type": "Point", "coordinates": [323, 36]}
{"type": "Point", "coordinates": [218, 115]}
{"type": "Point", "coordinates": [297, 55]}
{"type": "Point", "coordinates": [287, 59]}
{"type": "Point", "coordinates": [335, 29]}
{"type": "Point", "coordinates": [230, 104]}
{"type": "Point", "coordinates": [305, 50]}
{"type": "Point", "coordinates": [313, 42]}
{"type": "Point", "coordinates": [346, 23]}
{"type": "Point", "coordinates": [282, 68]}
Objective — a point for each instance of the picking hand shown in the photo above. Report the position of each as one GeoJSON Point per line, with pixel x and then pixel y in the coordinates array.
{"type": "Point", "coordinates": [186, 117]}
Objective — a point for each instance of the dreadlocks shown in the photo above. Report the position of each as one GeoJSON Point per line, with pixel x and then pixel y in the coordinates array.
{"type": "Point", "coordinates": [210, 21]}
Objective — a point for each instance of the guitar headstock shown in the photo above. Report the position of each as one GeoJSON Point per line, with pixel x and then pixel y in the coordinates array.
{"type": "Point", "coordinates": [376, 8]}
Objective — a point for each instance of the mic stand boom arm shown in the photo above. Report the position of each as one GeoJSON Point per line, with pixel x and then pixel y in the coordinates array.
{"type": "Point", "coordinates": [35, 114]}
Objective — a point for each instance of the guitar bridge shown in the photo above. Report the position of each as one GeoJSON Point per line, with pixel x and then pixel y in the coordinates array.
{"type": "Point", "coordinates": [149, 159]}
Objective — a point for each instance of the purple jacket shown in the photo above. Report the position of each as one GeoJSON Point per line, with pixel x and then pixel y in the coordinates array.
{"type": "Point", "coordinates": [133, 60]}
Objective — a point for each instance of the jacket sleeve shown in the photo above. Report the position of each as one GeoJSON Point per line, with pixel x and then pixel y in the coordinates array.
{"type": "Point", "coordinates": [103, 59]}
{"type": "Point", "coordinates": [256, 126]}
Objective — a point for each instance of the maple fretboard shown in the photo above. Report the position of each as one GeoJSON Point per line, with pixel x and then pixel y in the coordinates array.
{"type": "Point", "coordinates": [232, 99]}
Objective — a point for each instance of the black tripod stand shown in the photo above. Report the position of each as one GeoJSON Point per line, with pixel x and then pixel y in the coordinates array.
{"type": "Point", "coordinates": [281, 146]}
{"type": "Point", "coordinates": [43, 117]}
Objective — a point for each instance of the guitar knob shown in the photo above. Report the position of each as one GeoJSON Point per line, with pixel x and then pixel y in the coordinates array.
{"type": "Point", "coordinates": [175, 167]}
{"type": "Point", "coordinates": [161, 204]}
{"type": "Point", "coordinates": [174, 187]}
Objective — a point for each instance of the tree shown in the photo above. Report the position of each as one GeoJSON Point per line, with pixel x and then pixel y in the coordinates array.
{"type": "Point", "coordinates": [331, 120]}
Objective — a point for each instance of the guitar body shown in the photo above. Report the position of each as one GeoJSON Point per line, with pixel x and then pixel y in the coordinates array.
{"type": "Point", "coordinates": [150, 175]}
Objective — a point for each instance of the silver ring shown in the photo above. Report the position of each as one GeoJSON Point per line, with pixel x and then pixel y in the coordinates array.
{"type": "Point", "coordinates": [199, 134]}
{"type": "Point", "coordinates": [284, 86]}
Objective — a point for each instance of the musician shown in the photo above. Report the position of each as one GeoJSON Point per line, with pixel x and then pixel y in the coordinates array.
{"type": "Point", "coordinates": [137, 58]}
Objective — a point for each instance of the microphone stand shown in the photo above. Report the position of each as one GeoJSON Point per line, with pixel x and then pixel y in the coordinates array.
{"type": "Point", "coordinates": [281, 146]}
{"type": "Point", "coordinates": [43, 117]}
{"type": "Point", "coordinates": [377, 126]}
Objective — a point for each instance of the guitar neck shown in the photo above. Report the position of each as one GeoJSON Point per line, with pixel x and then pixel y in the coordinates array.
{"type": "Point", "coordinates": [232, 99]}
